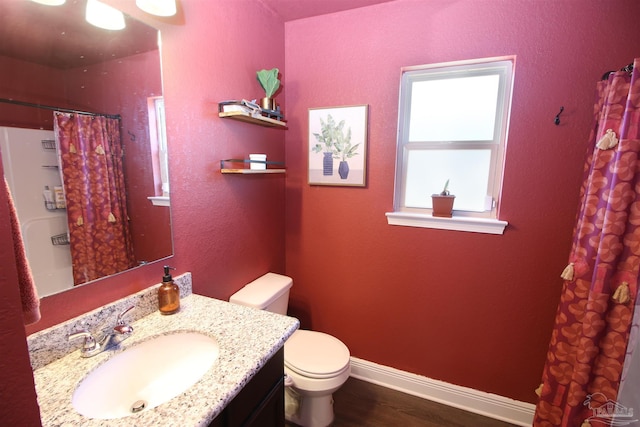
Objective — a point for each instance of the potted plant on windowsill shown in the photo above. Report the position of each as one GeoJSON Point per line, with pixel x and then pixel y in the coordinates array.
{"type": "Point", "coordinates": [443, 203]}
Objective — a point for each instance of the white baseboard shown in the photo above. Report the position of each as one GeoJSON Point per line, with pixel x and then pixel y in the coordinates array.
{"type": "Point", "coordinates": [468, 399]}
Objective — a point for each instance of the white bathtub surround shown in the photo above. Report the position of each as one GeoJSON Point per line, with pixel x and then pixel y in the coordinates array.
{"type": "Point", "coordinates": [248, 338]}
{"type": "Point", "coordinates": [30, 163]}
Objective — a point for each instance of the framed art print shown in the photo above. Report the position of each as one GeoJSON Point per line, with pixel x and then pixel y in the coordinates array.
{"type": "Point", "coordinates": [338, 145]}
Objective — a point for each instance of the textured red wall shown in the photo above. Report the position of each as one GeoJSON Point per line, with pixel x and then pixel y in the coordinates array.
{"type": "Point", "coordinates": [228, 230]}
{"type": "Point", "coordinates": [23, 81]}
{"type": "Point", "coordinates": [470, 309]}
{"type": "Point", "coordinates": [467, 308]}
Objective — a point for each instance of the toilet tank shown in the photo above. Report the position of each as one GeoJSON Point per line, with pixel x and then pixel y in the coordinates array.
{"type": "Point", "coordinates": [269, 292]}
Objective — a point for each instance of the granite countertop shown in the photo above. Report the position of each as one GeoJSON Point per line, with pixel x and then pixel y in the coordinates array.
{"type": "Point", "coordinates": [247, 337]}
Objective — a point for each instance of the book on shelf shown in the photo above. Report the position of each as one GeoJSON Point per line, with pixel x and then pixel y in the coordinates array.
{"type": "Point", "coordinates": [249, 108]}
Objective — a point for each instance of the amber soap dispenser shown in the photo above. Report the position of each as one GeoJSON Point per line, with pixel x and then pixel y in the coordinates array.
{"type": "Point", "coordinates": [168, 294]}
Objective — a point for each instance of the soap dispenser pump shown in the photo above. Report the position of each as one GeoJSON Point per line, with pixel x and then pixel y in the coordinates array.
{"type": "Point", "coordinates": [168, 294]}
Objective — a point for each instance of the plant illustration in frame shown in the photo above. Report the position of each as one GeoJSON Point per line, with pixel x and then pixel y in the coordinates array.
{"type": "Point", "coordinates": [337, 145]}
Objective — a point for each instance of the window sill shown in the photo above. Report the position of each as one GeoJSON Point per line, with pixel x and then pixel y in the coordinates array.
{"type": "Point", "coordinates": [160, 200]}
{"type": "Point", "coordinates": [456, 223]}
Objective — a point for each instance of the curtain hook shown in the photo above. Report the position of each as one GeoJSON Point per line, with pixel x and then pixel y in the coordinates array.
{"type": "Point", "coordinates": [557, 119]}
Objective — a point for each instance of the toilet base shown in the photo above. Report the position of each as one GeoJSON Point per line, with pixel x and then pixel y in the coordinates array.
{"type": "Point", "coordinates": [308, 411]}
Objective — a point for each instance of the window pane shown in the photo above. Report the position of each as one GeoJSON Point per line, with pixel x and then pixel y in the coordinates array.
{"type": "Point", "coordinates": [453, 119]}
{"type": "Point", "coordinates": [466, 170]}
{"type": "Point", "coordinates": [162, 145]}
{"type": "Point", "coordinates": [454, 109]}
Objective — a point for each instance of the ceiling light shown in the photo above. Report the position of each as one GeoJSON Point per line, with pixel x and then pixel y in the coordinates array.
{"type": "Point", "coordinates": [104, 16]}
{"type": "Point", "coordinates": [158, 7]}
{"type": "Point", "coordinates": [50, 2]}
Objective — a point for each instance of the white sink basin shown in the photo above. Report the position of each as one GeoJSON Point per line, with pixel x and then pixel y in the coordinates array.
{"type": "Point", "coordinates": [145, 375]}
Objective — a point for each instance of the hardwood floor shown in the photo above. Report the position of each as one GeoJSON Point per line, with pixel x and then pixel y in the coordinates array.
{"type": "Point", "coordinates": [362, 404]}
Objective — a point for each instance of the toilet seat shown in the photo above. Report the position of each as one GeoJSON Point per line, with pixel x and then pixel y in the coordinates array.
{"type": "Point", "coordinates": [315, 354]}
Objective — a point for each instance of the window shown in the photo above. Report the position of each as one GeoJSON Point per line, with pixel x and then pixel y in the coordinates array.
{"type": "Point", "coordinates": [453, 121]}
{"type": "Point", "coordinates": [162, 144]}
{"type": "Point", "coordinates": [159, 154]}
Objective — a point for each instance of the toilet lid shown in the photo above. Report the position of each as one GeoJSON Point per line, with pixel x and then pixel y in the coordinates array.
{"type": "Point", "coordinates": [315, 354]}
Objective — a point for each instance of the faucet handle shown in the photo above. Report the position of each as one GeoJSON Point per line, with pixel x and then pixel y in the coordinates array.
{"type": "Point", "coordinates": [89, 341]}
{"type": "Point", "coordinates": [119, 320]}
{"type": "Point", "coordinates": [121, 326]}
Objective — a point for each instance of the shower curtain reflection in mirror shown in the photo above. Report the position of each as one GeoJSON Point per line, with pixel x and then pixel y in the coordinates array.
{"type": "Point", "coordinates": [91, 157]}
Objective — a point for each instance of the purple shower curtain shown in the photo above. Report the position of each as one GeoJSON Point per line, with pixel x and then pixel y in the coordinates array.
{"type": "Point", "coordinates": [90, 152]}
{"type": "Point", "coordinates": [588, 344]}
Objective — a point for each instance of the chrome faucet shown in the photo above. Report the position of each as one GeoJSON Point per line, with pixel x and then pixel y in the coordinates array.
{"type": "Point", "coordinates": [92, 346]}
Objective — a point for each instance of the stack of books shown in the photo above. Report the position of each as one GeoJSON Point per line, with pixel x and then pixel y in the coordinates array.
{"type": "Point", "coordinates": [250, 108]}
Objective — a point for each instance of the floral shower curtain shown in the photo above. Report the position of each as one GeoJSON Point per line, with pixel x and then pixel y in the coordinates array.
{"type": "Point", "coordinates": [90, 151]}
{"type": "Point", "coordinates": [589, 340]}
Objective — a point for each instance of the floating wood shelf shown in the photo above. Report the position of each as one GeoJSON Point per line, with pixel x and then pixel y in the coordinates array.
{"type": "Point", "coordinates": [256, 120]}
{"type": "Point", "coordinates": [224, 169]}
{"type": "Point", "coordinates": [252, 171]}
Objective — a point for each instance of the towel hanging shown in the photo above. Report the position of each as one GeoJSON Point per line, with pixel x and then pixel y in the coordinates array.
{"type": "Point", "coordinates": [28, 292]}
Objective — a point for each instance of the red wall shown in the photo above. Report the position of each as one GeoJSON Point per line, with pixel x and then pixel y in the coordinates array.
{"type": "Point", "coordinates": [22, 81]}
{"type": "Point", "coordinates": [467, 308]}
{"type": "Point", "coordinates": [470, 309]}
{"type": "Point", "coordinates": [228, 230]}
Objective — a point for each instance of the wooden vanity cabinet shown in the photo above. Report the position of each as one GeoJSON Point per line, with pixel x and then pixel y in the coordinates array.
{"type": "Point", "coordinates": [261, 402]}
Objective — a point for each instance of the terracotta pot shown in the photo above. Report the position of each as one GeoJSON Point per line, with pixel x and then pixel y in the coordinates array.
{"type": "Point", "coordinates": [442, 205]}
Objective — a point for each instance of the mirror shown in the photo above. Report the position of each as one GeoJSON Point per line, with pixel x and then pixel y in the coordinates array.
{"type": "Point", "coordinates": [51, 57]}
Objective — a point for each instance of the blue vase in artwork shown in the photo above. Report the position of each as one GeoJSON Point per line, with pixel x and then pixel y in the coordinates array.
{"type": "Point", "coordinates": [343, 169]}
{"type": "Point", "coordinates": [327, 164]}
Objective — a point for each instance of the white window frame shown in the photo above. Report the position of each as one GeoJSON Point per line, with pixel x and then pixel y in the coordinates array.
{"type": "Point", "coordinates": [160, 155]}
{"type": "Point", "coordinates": [483, 222]}
{"type": "Point", "coordinates": [162, 144]}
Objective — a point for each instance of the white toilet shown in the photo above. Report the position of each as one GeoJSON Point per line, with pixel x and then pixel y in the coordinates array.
{"type": "Point", "coordinates": [316, 364]}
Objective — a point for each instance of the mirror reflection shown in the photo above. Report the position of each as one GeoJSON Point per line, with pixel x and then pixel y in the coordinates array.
{"type": "Point", "coordinates": [82, 142]}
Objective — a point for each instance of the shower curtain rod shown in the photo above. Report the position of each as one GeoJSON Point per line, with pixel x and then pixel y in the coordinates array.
{"type": "Point", "coordinates": [627, 68]}
{"type": "Point", "coordinates": [64, 110]}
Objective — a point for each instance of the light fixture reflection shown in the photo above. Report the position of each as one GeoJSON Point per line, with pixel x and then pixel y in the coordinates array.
{"type": "Point", "coordinates": [50, 2]}
{"type": "Point", "coordinates": [158, 7]}
{"type": "Point", "coordinates": [104, 16]}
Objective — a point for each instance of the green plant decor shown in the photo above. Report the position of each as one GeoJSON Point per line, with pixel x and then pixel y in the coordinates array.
{"type": "Point", "coordinates": [445, 191]}
{"type": "Point", "coordinates": [332, 139]}
{"type": "Point", "coordinates": [344, 147]}
{"type": "Point", "coordinates": [269, 81]}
